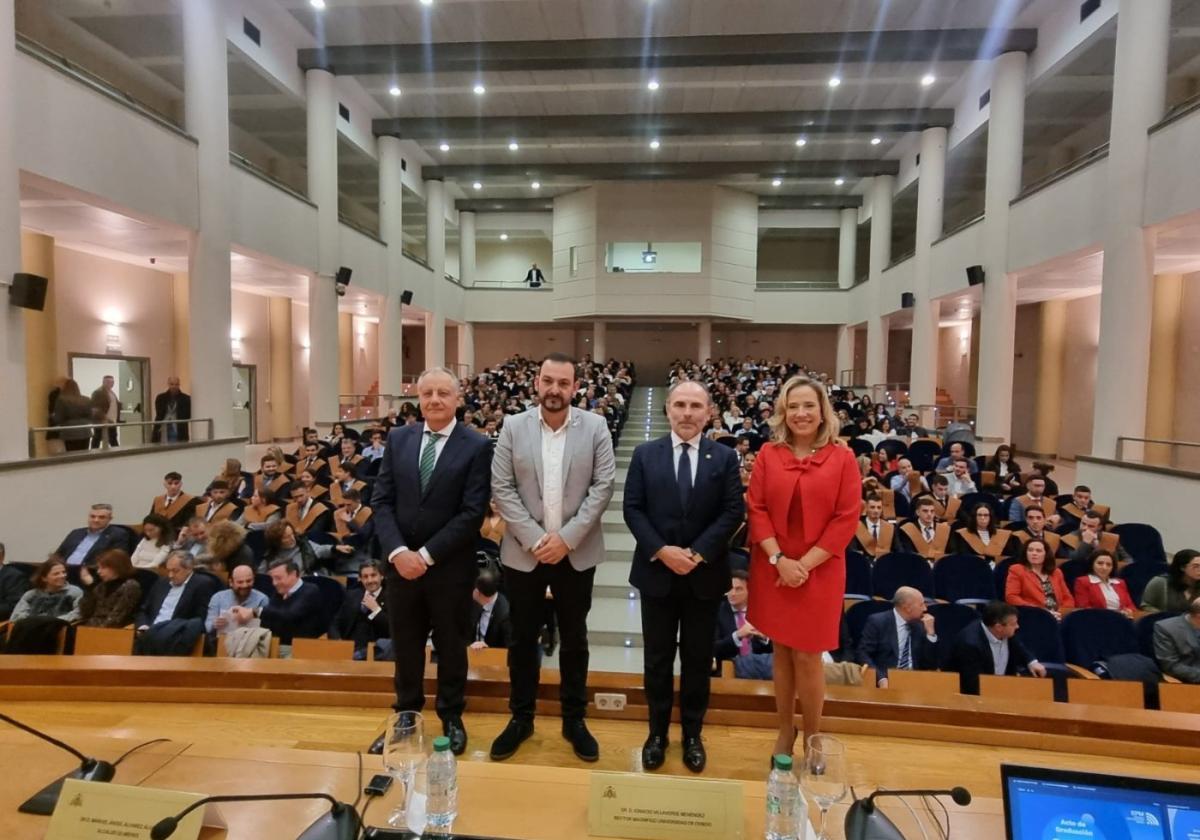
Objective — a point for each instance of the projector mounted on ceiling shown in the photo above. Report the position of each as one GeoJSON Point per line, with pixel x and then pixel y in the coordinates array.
{"type": "Point", "coordinates": [649, 256]}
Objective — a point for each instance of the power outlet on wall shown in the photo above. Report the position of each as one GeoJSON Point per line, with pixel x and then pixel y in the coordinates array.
{"type": "Point", "coordinates": [610, 702]}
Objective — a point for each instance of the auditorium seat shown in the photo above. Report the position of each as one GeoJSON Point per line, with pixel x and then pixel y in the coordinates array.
{"type": "Point", "coordinates": [332, 595]}
{"type": "Point", "coordinates": [1179, 697]}
{"type": "Point", "coordinates": [934, 683]}
{"type": "Point", "coordinates": [1123, 693]}
{"type": "Point", "coordinates": [999, 511]}
{"type": "Point", "coordinates": [1143, 628]}
{"type": "Point", "coordinates": [1094, 635]}
{"type": "Point", "coordinates": [949, 621]}
{"type": "Point", "coordinates": [856, 619]}
{"type": "Point", "coordinates": [1139, 573]}
{"type": "Point", "coordinates": [1039, 632]}
{"type": "Point", "coordinates": [924, 453]}
{"type": "Point", "coordinates": [1015, 688]}
{"type": "Point", "coordinates": [103, 641]}
{"type": "Point", "coordinates": [487, 658]}
{"type": "Point", "coordinates": [1142, 541]}
{"type": "Point", "coordinates": [858, 576]}
{"type": "Point", "coordinates": [329, 649]}
{"type": "Point", "coordinates": [963, 579]}
{"type": "Point", "coordinates": [861, 447]}
{"type": "Point", "coordinates": [1072, 569]}
{"type": "Point", "coordinates": [893, 447]}
{"type": "Point", "coordinates": [900, 569]}
{"type": "Point", "coordinates": [262, 582]}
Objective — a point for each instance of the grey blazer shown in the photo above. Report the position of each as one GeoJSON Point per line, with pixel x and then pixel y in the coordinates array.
{"type": "Point", "coordinates": [1177, 649]}
{"type": "Point", "coordinates": [589, 470]}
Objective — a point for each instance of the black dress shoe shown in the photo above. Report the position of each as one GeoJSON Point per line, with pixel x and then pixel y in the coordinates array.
{"type": "Point", "coordinates": [654, 752]}
{"type": "Point", "coordinates": [694, 756]}
{"type": "Point", "coordinates": [506, 742]}
{"type": "Point", "coordinates": [376, 748]}
{"type": "Point", "coordinates": [453, 728]}
{"type": "Point", "coordinates": [582, 742]}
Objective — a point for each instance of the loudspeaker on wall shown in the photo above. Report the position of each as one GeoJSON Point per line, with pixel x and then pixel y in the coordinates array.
{"type": "Point", "coordinates": [28, 291]}
{"type": "Point", "coordinates": [975, 275]}
{"type": "Point", "coordinates": [907, 300]}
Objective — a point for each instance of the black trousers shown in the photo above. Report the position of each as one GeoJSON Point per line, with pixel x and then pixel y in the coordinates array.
{"type": "Point", "coordinates": [692, 620]}
{"type": "Point", "coordinates": [99, 433]}
{"type": "Point", "coordinates": [526, 592]}
{"type": "Point", "coordinates": [437, 602]}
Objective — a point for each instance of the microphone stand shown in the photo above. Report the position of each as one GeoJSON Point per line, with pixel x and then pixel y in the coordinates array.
{"type": "Point", "coordinates": [90, 770]}
{"type": "Point", "coordinates": [866, 822]}
{"type": "Point", "coordinates": [340, 822]}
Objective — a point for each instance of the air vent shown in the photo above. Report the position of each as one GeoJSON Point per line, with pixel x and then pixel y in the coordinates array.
{"type": "Point", "coordinates": [343, 112]}
{"type": "Point", "coordinates": [251, 31]}
{"type": "Point", "coordinates": [985, 99]}
{"type": "Point", "coordinates": [918, 158]}
{"type": "Point", "coordinates": [403, 165]}
{"type": "Point", "coordinates": [1086, 8]}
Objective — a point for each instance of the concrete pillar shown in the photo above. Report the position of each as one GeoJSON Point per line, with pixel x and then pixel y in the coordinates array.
{"type": "Point", "coordinates": [1164, 363]}
{"type": "Point", "coordinates": [704, 342]}
{"type": "Point", "coordinates": [391, 347]}
{"type": "Point", "coordinates": [466, 348]}
{"type": "Point", "coordinates": [847, 247]}
{"type": "Point", "coordinates": [345, 353]}
{"type": "Point", "coordinates": [435, 340]}
{"type": "Point", "coordinates": [973, 362]}
{"type": "Point", "coordinates": [466, 247]}
{"type": "Point", "coordinates": [600, 341]}
{"type": "Point", "coordinates": [391, 230]}
{"type": "Point", "coordinates": [322, 300]}
{"type": "Point", "coordinates": [845, 355]}
{"type": "Point", "coordinates": [41, 335]}
{"type": "Point", "coordinates": [279, 329]}
{"type": "Point", "coordinates": [998, 318]}
{"type": "Point", "coordinates": [206, 108]}
{"type": "Point", "coordinates": [13, 412]}
{"type": "Point", "coordinates": [931, 190]}
{"type": "Point", "coordinates": [1047, 421]}
{"type": "Point", "coordinates": [435, 252]}
{"type": "Point", "coordinates": [1127, 288]}
{"type": "Point", "coordinates": [181, 334]}
{"type": "Point", "coordinates": [882, 188]}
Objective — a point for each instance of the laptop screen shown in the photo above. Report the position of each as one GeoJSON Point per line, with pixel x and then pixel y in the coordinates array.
{"type": "Point", "coordinates": [1045, 804]}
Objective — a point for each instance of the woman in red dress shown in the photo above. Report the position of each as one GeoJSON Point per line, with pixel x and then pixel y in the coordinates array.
{"type": "Point", "coordinates": [803, 506]}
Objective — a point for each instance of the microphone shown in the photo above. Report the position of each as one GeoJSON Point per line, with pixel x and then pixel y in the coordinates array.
{"type": "Point", "coordinates": [90, 770]}
{"type": "Point", "coordinates": [341, 822]}
{"type": "Point", "coordinates": [864, 821]}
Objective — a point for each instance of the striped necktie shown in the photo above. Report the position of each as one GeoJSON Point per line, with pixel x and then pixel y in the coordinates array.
{"type": "Point", "coordinates": [428, 458]}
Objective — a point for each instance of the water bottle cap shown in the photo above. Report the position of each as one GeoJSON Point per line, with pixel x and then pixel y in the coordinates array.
{"type": "Point", "coordinates": [441, 743]}
{"type": "Point", "coordinates": [782, 762]}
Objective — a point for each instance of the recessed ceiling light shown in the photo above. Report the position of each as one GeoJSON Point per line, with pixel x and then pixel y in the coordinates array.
{"type": "Point", "coordinates": [477, 186]}
{"type": "Point", "coordinates": [801, 142]}
{"type": "Point", "coordinates": [394, 90]}
{"type": "Point", "coordinates": [537, 185]}
{"type": "Point", "coordinates": [838, 182]}
{"type": "Point", "coordinates": [480, 90]}
{"type": "Point", "coordinates": [652, 85]}
{"type": "Point", "coordinates": [928, 79]}
{"type": "Point", "coordinates": [317, 4]}
{"type": "Point", "coordinates": [654, 144]}
{"type": "Point", "coordinates": [426, 2]}
{"type": "Point", "coordinates": [512, 147]}
{"type": "Point", "coordinates": [875, 141]}
{"type": "Point", "coordinates": [776, 182]}
{"type": "Point", "coordinates": [834, 81]}
{"type": "Point", "coordinates": [445, 147]}
{"type": "Point", "coordinates": [504, 237]}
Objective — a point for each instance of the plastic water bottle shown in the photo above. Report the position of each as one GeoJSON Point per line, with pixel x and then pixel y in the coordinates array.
{"type": "Point", "coordinates": [785, 803]}
{"type": "Point", "coordinates": [441, 772]}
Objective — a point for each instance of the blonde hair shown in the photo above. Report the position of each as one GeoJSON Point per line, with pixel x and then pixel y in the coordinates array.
{"type": "Point", "coordinates": [224, 538]}
{"type": "Point", "coordinates": [827, 431]}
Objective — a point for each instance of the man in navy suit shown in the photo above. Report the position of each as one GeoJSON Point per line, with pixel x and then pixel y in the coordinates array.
{"type": "Point", "coordinates": [903, 637]}
{"type": "Point", "coordinates": [430, 499]}
{"type": "Point", "coordinates": [82, 546]}
{"type": "Point", "coordinates": [989, 646]}
{"type": "Point", "coordinates": [683, 501]}
{"type": "Point", "coordinates": [296, 609]}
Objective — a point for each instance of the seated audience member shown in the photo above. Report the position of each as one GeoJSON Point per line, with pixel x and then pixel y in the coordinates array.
{"type": "Point", "coordinates": [956, 451]}
{"type": "Point", "coordinates": [283, 543]}
{"type": "Point", "coordinates": [295, 610]}
{"type": "Point", "coordinates": [347, 457]}
{"type": "Point", "coordinates": [14, 582]}
{"type": "Point", "coordinates": [305, 513]}
{"type": "Point", "coordinates": [1004, 473]}
{"type": "Point", "coordinates": [218, 506]}
{"type": "Point", "coordinates": [903, 638]}
{"type": "Point", "coordinates": [1071, 514]}
{"type": "Point", "coordinates": [1034, 581]}
{"type": "Point", "coordinates": [982, 537]}
{"type": "Point", "coordinates": [945, 505]}
{"type": "Point", "coordinates": [220, 617]}
{"type": "Point", "coordinates": [343, 480]}
{"type": "Point", "coordinates": [260, 512]}
{"type": "Point", "coordinates": [489, 613]}
{"type": "Point", "coordinates": [194, 538]}
{"type": "Point", "coordinates": [353, 529]}
{"type": "Point", "coordinates": [988, 646]}
{"type": "Point", "coordinates": [882, 431]}
{"type": "Point", "coordinates": [875, 535]}
{"type": "Point", "coordinates": [926, 537]}
{"type": "Point", "coordinates": [82, 546]}
{"type": "Point", "coordinates": [309, 438]}
{"type": "Point", "coordinates": [1100, 588]}
{"type": "Point", "coordinates": [174, 505]}
{"type": "Point", "coordinates": [493, 526]}
{"type": "Point", "coordinates": [1176, 647]}
{"type": "Point", "coordinates": [363, 617]}
{"type": "Point", "coordinates": [1035, 528]}
{"type": "Point", "coordinates": [1178, 588]}
{"type": "Point", "coordinates": [231, 474]}
{"type": "Point", "coordinates": [269, 477]}
{"type": "Point", "coordinates": [375, 451]}
{"type": "Point", "coordinates": [959, 480]}
{"type": "Point", "coordinates": [50, 596]}
{"type": "Point", "coordinates": [157, 539]}
{"type": "Point", "coordinates": [871, 485]}
{"type": "Point", "coordinates": [908, 482]}
{"type": "Point", "coordinates": [226, 548]}
{"type": "Point", "coordinates": [1034, 496]}
{"type": "Point", "coordinates": [316, 492]}
{"type": "Point", "coordinates": [912, 430]}
{"type": "Point", "coordinates": [112, 600]}
{"type": "Point", "coordinates": [736, 638]}
{"type": "Point", "coordinates": [335, 437]}
{"type": "Point", "coordinates": [182, 595]}
{"type": "Point", "coordinates": [1089, 536]}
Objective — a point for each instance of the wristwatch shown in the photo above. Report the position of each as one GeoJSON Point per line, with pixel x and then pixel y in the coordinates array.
{"type": "Point", "coordinates": [774, 558]}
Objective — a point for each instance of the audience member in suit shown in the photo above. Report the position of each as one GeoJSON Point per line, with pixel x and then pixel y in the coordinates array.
{"type": "Point", "coordinates": [1006, 471]}
{"type": "Point", "coordinates": [1033, 580]}
{"type": "Point", "coordinates": [903, 638]}
{"type": "Point", "coordinates": [945, 465]}
{"type": "Point", "coordinates": [82, 546]}
{"type": "Point", "coordinates": [183, 594]}
{"type": "Point", "coordinates": [1100, 588]}
{"type": "Point", "coordinates": [1071, 514]}
{"type": "Point", "coordinates": [316, 491]}
{"type": "Point", "coordinates": [174, 505]}
{"type": "Point", "coordinates": [218, 505]}
{"type": "Point", "coordinates": [353, 532]}
{"type": "Point", "coordinates": [737, 639]}
{"type": "Point", "coordinates": [312, 461]}
{"type": "Point", "coordinates": [945, 505]}
{"type": "Point", "coordinates": [106, 408]}
{"type": "Point", "coordinates": [926, 537]}
{"type": "Point", "coordinates": [429, 502]}
{"type": "Point", "coordinates": [911, 429]}
{"type": "Point", "coordinates": [376, 449]}
{"type": "Point", "coordinates": [552, 478]}
{"type": "Point", "coordinates": [988, 646]}
{"type": "Point", "coordinates": [982, 537]}
{"type": "Point", "coordinates": [534, 277]}
{"type": "Point", "coordinates": [1177, 645]}
{"type": "Point", "coordinates": [172, 410]}
{"type": "Point", "coordinates": [875, 536]}
{"type": "Point", "coordinates": [111, 597]}
{"type": "Point", "coordinates": [683, 500]}
{"type": "Point", "coordinates": [1034, 496]}
{"type": "Point", "coordinates": [260, 511]}
{"type": "Point", "coordinates": [343, 480]}
{"type": "Point", "coordinates": [1179, 587]}
{"type": "Point", "coordinates": [960, 481]}
{"type": "Point", "coordinates": [347, 456]}
{"type": "Point", "coordinates": [1035, 528]}
{"type": "Point", "coordinates": [269, 479]}
{"type": "Point", "coordinates": [295, 611]}
{"type": "Point", "coordinates": [305, 514]}
{"type": "Point", "coordinates": [491, 618]}
{"type": "Point", "coordinates": [1089, 536]}
{"type": "Point", "coordinates": [14, 582]}
{"type": "Point", "coordinates": [363, 617]}
{"type": "Point", "coordinates": [907, 482]}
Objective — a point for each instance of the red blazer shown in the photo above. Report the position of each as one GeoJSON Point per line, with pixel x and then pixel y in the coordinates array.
{"type": "Point", "coordinates": [1024, 589]}
{"type": "Point", "coordinates": [1088, 595]}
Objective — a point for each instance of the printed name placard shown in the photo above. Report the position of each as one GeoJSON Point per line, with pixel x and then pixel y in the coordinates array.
{"type": "Point", "coordinates": [636, 805]}
{"type": "Point", "coordinates": [91, 810]}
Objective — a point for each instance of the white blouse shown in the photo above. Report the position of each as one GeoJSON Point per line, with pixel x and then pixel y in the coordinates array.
{"type": "Point", "coordinates": [147, 555]}
{"type": "Point", "coordinates": [1111, 599]}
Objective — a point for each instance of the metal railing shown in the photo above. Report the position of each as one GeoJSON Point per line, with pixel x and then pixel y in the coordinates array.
{"type": "Point", "coordinates": [940, 416]}
{"type": "Point", "coordinates": [374, 406]}
{"type": "Point", "coordinates": [890, 393]}
{"type": "Point", "coordinates": [52, 441]}
{"type": "Point", "coordinates": [1054, 176]}
{"type": "Point", "coordinates": [851, 378]}
{"type": "Point", "coordinates": [765, 284]}
{"type": "Point", "coordinates": [1160, 452]}
{"type": "Point", "coordinates": [519, 285]}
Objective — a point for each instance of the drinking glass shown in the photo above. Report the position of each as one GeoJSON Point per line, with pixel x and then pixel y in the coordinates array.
{"type": "Point", "coordinates": [823, 775]}
{"type": "Point", "coordinates": [403, 753]}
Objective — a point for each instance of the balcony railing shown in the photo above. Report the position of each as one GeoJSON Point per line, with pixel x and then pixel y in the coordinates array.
{"type": "Point", "coordinates": [1159, 452]}
{"type": "Point", "coordinates": [52, 441]}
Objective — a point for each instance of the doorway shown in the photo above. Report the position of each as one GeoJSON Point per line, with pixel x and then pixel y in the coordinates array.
{"type": "Point", "coordinates": [131, 375]}
{"type": "Point", "coordinates": [245, 401]}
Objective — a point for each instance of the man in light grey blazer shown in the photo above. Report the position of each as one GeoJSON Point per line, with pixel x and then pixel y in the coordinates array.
{"type": "Point", "coordinates": [552, 478]}
{"type": "Point", "coordinates": [1177, 645]}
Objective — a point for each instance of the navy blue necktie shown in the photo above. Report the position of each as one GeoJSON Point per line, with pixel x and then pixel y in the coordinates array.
{"type": "Point", "coordinates": [684, 476]}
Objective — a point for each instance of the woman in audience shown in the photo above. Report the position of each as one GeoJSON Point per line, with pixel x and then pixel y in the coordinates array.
{"type": "Point", "coordinates": [261, 511]}
{"type": "Point", "coordinates": [1175, 590]}
{"type": "Point", "coordinates": [1006, 470]}
{"type": "Point", "coordinates": [51, 595]}
{"type": "Point", "coordinates": [1100, 588]}
{"type": "Point", "coordinates": [157, 538]}
{"type": "Point", "coordinates": [226, 548]}
{"type": "Point", "coordinates": [335, 436]}
{"type": "Point", "coordinates": [232, 475]}
{"type": "Point", "coordinates": [316, 492]}
{"type": "Point", "coordinates": [493, 524]}
{"type": "Point", "coordinates": [112, 600]}
{"type": "Point", "coordinates": [1034, 581]}
{"type": "Point", "coordinates": [75, 410]}
{"type": "Point", "coordinates": [981, 536]}
{"type": "Point", "coordinates": [284, 544]}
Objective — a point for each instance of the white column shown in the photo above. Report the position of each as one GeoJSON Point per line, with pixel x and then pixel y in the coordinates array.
{"type": "Point", "coordinates": [931, 189]}
{"type": "Point", "coordinates": [1127, 288]}
{"type": "Point", "coordinates": [998, 318]}
{"type": "Point", "coordinates": [322, 300]}
{"type": "Point", "coordinates": [391, 231]}
{"type": "Point", "coordinates": [206, 115]}
{"type": "Point", "coordinates": [466, 347]}
{"type": "Point", "coordinates": [600, 341]}
{"type": "Point", "coordinates": [435, 251]}
{"type": "Point", "coordinates": [847, 247]}
{"type": "Point", "coordinates": [466, 247]}
{"type": "Point", "coordinates": [13, 431]}
{"type": "Point", "coordinates": [845, 353]}
{"type": "Point", "coordinates": [882, 187]}
{"type": "Point", "coordinates": [704, 342]}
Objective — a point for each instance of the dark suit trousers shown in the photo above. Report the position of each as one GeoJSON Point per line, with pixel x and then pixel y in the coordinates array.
{"type": "Point", "coordinates": [694, 621]}
{"type": "Point", "coordinates": [415, 607]}
{"type": "Point", "coordinates": [526, 593]}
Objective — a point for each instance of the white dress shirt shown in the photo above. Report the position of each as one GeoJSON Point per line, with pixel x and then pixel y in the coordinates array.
{"type": "Point", "coordinates": [999, 653]}
{"type": "Point", "coordinates": [439, 446]}
{"type": "Point", "coordinates": [167, 611]}
{"type": "Point", "coordinates": [1111, 599]}
{"type": "Point", "coordinates": [693, 454]}
{"type": "Point", "coordinates": [485, 619]}
{"type": "Point", "coordinates": [554, 445]}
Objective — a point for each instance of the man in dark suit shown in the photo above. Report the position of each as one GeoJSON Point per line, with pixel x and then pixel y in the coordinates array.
{"type": "Point", "coordinates": [534, 277]}
{"type": "Point", "coordinates": [683, 501]}
{"type": "Point", "coordinates": [430, 499]}
{"type": "Point", "coordinates": [172, 410]}
{"type": "Point", "coordinates": [490, 618]}
{"type": "Point", "coordinates": [295, 610]}
{"type": "Point", "coordinates": [902, 638]}
{"type": "Point", "coordinates": [1177, 645]}
{"type": "Point", "coordinates": [739, 640]}
{"type": "Point", "coordinates": [988, 647]}
{"type": "Point", "coordinates": [363, 617]}
{"type": "Point", "coordinates": [183, 594]}
{"type": "Point", "coordinates": [82, 546]}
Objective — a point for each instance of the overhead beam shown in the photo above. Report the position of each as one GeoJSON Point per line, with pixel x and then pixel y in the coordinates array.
{"type": "Point", "coordinates": [843, 121]}
{"type": "Point", "coordinates": [839, 48]}
{"type": "Point", "coordinates": [652, 170]}
{"type": "Point", "coordinates": [504, 205]}
{"type": "Point", "coordinates": [765, 202]}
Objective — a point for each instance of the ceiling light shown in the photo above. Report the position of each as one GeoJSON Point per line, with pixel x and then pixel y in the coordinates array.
{"type": "Point", "coordinates": [801, 142]}
{"type": "Point", "coordinates": [834, 81]}
{"type": "Point", "coordinates": [928, 79]}
{"type": "Point", "coordinates": [839, 182]}
{"type": "Point", "coordinates": [537, 185]}
{"type": "Point", "coordinates": [480, 90]}
{"type": "Point", "coordinates": [445, 147]}
{"type": "Point", "coordinates": [652, 84]}
{"type": "Point", "coordinates": [477, 186]}
{"type": "Point", "coordinates": [394, 90]}
{"type": "Point", "coordinates": [777, 182]}
{"type": "Point", "coordinates": [317, 4]}
{"type": "Point", "coordinates": [504, 237]}
{"type": "Point", "coordinates": [654, 144]}
{"type": "Point", "coordinates": [426, 2]}
{"type": "Point", "coordinates": [875, 141]}
{"type": "Point", "coordinates": [512, 147]}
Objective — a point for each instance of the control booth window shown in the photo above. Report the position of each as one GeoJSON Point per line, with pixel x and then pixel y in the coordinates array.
{"type": "Point", "coordinates": [653, 257]}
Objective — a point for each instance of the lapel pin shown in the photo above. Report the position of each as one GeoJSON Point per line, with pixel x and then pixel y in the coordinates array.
{"type": "Point", "coordinates": [708, 457]}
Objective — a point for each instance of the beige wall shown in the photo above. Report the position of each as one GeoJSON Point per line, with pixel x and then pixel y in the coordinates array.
{"type": "Point", "coordinates": [954, 363]}
{"type": "Point", "coordinates": [300, 368]}
{"type": "Point", "coordinates": [899, 356]}
{"type": "Point", "coordinates": [494, 343]}
{"type": "Point", "coordinates": [1187, 373]}
{"type": "Point", "coordinates": [366, 355]}
{"type": "Point", "coordinates": [1026, 359]}
{"type": "Point", "coordinates": [813, 346]}
{"type": "Point", "coordinates": [41, 335]}
{"type": "Point", "coordinates": [250, 318]}
{"type": "Point", "coordinates": [810, 255]}
{"type": "Point", "coordinates": [653, 347]}
{"type": "Point", "coordinates": [507, 262]}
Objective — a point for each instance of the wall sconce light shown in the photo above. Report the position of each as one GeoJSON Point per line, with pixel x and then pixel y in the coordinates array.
{"type": "Point", "coordinates": [235, 345]}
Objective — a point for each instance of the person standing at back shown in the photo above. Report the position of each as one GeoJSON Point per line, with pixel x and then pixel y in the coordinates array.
{"type": "Point", "coordinates": [552, 478]}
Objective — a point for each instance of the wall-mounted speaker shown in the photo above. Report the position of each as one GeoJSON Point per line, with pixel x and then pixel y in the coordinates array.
{"type": "Point", "coordinates": [975, 275]}
{"type": "Point", "coordinates": [28, 291]}
{"type": "Point", "coordinates": [341, 280]}
{"type": "Point", "coordinates": [406, 297]}
{"type": "Point", "coordinates": [907, 300]}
